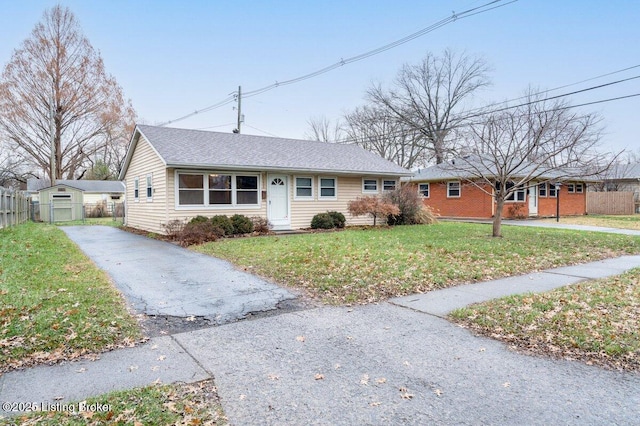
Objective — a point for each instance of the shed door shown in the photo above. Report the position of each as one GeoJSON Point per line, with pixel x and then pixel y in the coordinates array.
{"type": "Point", "coordinates": [61, 208]}
{"type": "Point", "coordinates": [278, 202]}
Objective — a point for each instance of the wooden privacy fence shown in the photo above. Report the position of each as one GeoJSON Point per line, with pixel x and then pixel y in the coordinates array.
{"type": "Point", "coordinates": [14, 207]}
{"type": "Point", "coordinates": [610, 203]}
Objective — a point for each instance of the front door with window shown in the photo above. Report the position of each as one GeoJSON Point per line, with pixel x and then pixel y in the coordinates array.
{"type": "Point", "coordinates": [278, 202]}
{"type": "Point", "coordinates": [533, 200]}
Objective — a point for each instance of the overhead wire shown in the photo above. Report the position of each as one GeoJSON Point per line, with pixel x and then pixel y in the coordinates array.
{"type": "Point", "coordinates": [454, 17]}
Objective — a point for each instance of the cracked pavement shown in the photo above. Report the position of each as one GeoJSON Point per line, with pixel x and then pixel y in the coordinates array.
{"type": "Point", "coordinates": [161, 279]}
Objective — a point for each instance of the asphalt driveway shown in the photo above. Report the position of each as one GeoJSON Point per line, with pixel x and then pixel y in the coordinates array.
{"type": "Point", "coordinates": [161, 279]}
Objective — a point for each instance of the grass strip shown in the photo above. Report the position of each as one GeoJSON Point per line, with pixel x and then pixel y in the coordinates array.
{"type": "Point", "coordinates": [596, 322]}
{"type": "Point", "coordinates": [54, 302]}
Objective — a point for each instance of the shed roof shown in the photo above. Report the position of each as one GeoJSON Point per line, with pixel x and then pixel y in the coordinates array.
{"type": "Point", "coordinates": [100, 186]}
{"type": "Point", "coordinates": [203, 149]}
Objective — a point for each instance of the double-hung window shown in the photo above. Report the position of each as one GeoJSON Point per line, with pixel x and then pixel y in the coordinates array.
{"type": "Point", "coordinates": [389, 185]}
{"type": "Point", "coordinates": [304, 188]}
{"type": "Point", "coordinates": [542, 190]}
{"type": "Point", "coordinates": [553, 190]}
{"type": "Point", "coordinates": [190, 189]}
{"type": "Point", "coordinates": [423, 189]}
{"type": "Point", "coordinates": [370, 185]}
{"type": "Point", "coordinates": [328, 188]}
{"type": "Point", "coordinates": [149, 187]}
{"type": "Point", "coordinates": [519, 195]}
{"type": "Point", "coordinates": [579, 188]}
{"type": "Point", "coordinates": [453, 189]}
{"type": "Point", "coordinates": [136, 189]}
{"type": "Point", "coordinates": [247, 190]}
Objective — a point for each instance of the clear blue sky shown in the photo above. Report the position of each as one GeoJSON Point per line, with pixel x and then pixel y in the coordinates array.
{"type": "Point", "coordinates": [174, 57]}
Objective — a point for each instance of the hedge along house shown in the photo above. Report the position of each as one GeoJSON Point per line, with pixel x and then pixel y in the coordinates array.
{"type": "Point", "coordinates": [176, 174]}
{"type": "Point", "coordinates": [454, 193]}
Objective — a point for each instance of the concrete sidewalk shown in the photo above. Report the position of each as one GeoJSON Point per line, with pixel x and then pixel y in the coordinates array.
{"type": "Point", "coordinates": [379, 363]}
{"type": "Point", "coordinates": [441, 302]}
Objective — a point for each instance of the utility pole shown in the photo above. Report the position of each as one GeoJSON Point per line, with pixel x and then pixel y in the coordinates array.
{"type": "Point", "coordinates": [240, 118]}
{"type": "Point", "coordinates": [52, 136]}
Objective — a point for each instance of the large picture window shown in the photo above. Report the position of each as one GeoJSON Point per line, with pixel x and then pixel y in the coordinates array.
{"type": "Point", "coordinates": [217, 189]}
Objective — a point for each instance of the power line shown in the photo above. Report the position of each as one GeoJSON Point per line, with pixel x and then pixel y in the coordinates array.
{"type": "Point", "coordinates": [263, 131]}
{"type": "Point", "coordinates": [454, 17]}
{"type": "Point", "coordinates": [557, 88]}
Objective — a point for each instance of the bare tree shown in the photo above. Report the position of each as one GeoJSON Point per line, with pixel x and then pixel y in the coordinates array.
{"type": "Point", "coordinates": [321, 129]}
{"type": "Point", "coordinates": [430, 97]}
{"type": "Point", "coordinates": [56, 96]}
{"type": "Point", "coordinates": [377, 130]}
{"type": "Point", "coordinates": [539, 142]}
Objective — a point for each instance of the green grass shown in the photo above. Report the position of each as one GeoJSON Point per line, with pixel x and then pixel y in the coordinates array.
{"type": "Point", "coordinates": [106, 221]}
{"type": "Point", "coordinates": [361, 266]}
{"type": "Point", "coordinates": [597, 322]}
{"type": "Point", "coordinates": [186, 404]}
{"type": "Point", "coordinates": [608, 221]}
{"type": "Point", "coordinates": [54, 302]}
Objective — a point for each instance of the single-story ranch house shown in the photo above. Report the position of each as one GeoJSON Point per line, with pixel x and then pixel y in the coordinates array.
{"type": "Point", "coordinates": [174, 173]}
{"type": "Point", "coordinates": [452, 193]}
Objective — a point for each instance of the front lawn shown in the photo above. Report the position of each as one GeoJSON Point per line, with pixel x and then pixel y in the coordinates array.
{"type": "Point", "coordinates": [54, 302]}
{"type": "Point", "coordinates": [607, 221]}
{"type": "Point", "coordinates": [368, 265]}
{"type": "Point", "coordinates": [176, 404]}
{"type": "Point", "coordinates": [596, 322]}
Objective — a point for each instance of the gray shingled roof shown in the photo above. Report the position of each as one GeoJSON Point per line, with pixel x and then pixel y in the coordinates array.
{"type": "Point", "coordinates": [470, 166]}
{"type": "Point", "coordinates": [196, 148]}
{"type": "Point", "coordinates": [101, 186]}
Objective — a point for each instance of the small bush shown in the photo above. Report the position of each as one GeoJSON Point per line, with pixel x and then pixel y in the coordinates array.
{"type": "Point", "coordinates": [374, 206]}
{"type": "Point", "coordinates": [322, 221]}
{"type": "Point", "coordinates": [241, 224]}
{"type": "Point", "coordinates": [173, 228]}
{"type": "Point", "coordinates": [409, 202]}
{"type": "Point", "coordinates": [338, 219]}
{"type": "Point", "coordinates": [199, 219]}
{"type": "Point", "coordinates": [199, 233]}
{"type": "Point", "coordinates": [261, 225]}
{"type": "Point", "coordinates": [224, 223]}
{"type": "Point", "coordinates": [517, 211]}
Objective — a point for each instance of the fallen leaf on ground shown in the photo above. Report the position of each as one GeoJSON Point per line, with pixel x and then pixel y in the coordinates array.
{"type": "Point", "coordinates": [319, 376]}
{"type": "Point", "coordinates": [300, 338]}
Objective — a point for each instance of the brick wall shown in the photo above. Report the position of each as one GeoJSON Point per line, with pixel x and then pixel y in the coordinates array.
{"type": "Point", "coordinates": [475, 203]}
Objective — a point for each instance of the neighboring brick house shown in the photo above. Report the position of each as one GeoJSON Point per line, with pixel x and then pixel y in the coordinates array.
{"type": "Point", "coordinates": [178, 174]}
{"type": "Point", "coordinates": [453, 194]}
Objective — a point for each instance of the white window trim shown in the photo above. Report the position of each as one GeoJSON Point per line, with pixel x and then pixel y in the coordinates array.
{"type": "Point", "coordinates": [295, 189]}
{"type": "Point", "coordinates": [395, 186]}
{"type": "Point", "coordinates": [136, 186]}
{"type": "Point", "coordinates": [459, 189]}
{"type": "Point", "coordinates": [333, 197]}
{"type": "Point", "coordinates": [555, 189]}
{"type": "Point", "coordinates": [370, 191]}
{"type": "Point", "coordinates": [581, 187]}
{"type": "Point", "coordinates": [149, 185]}
{"type": "Point", "coordinates": [546, 190]}
{"type": "Point", "coordinates": [571, 188]}
{"type": "Point", "coordinates": [428, 189]}
{"type": "Point", "coordinates": [215, 207]}
{"type": "Point", "coordinates": [515, 196]}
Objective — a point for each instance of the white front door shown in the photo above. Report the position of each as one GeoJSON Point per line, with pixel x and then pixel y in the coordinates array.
{"type": "Point", "coordinates": [278, 202]}
{"type": "Point", "coordinates": [533, 200]}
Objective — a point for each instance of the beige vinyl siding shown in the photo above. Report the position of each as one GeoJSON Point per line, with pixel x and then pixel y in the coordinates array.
{"type": "Point", "coordinates": [143, 214]}
{"type": "Point", "coordinates": [349, 188]}
{"type": "Point", "coordinates": [186, 213]}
